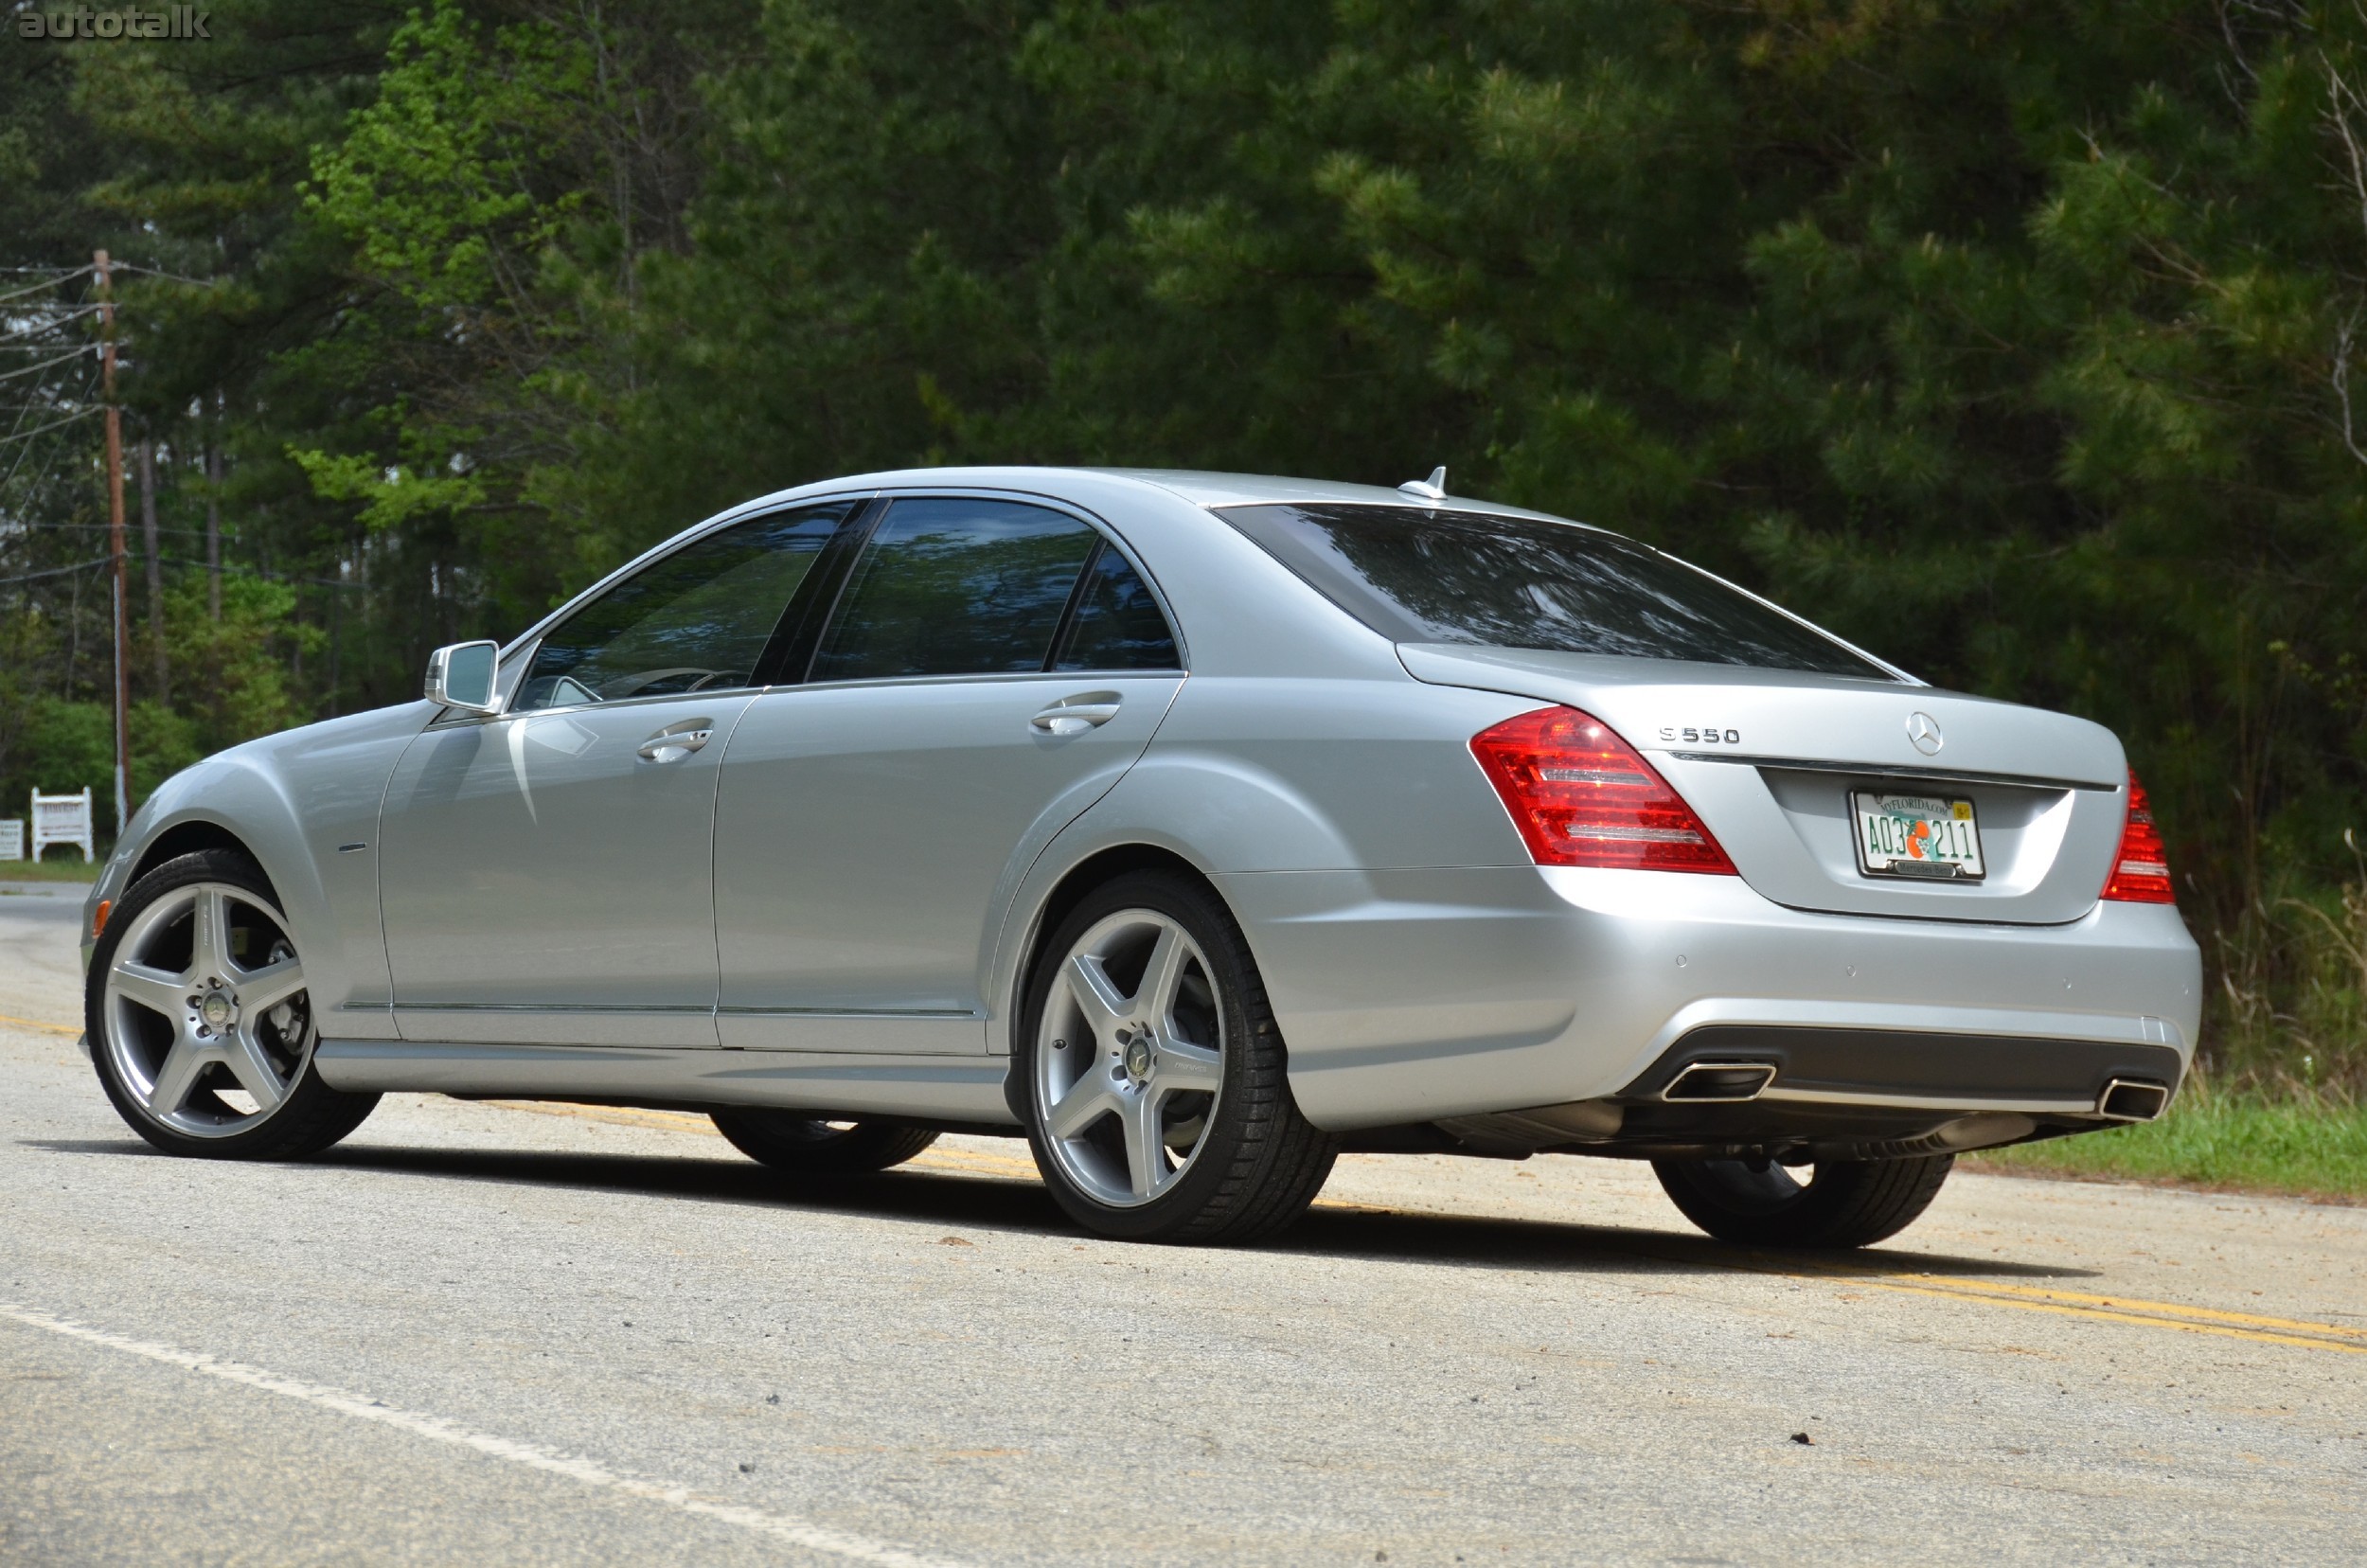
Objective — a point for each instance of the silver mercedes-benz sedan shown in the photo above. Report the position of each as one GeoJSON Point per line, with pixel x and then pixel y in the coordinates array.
{"type": "Point", "coordinates": [1198, 827]}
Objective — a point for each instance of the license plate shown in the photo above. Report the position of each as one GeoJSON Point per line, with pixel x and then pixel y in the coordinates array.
{"type": "Point", "coordinates": [1930, 836]}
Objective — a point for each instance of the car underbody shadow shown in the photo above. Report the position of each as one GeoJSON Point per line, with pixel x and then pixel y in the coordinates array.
{"type": "Point", "coordinates": [1020, 1205]}
{"type": "Point", "coordinates": [1489, 1241]}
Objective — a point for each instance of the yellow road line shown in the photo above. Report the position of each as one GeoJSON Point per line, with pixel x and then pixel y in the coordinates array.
{"type": "Point", "coordinates": [2006, 1294]}
{"type": "Point", "coordinates": [36, 1024]}
{"type": "Point", "coordinates": [2126, 1310]}
{"type": "Point", "coordinates": [2125, 1304]}
{"type": "Point", "coordinates": [2182, 1326]}
{"type": "Point", "coordinates": [2028, 1298]}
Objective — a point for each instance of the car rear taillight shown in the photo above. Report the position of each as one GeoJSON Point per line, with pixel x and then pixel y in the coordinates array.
{"type": "Point", "coordinates": [2141, 872]}
{"type": "Point", "coordinates": [1582, 796]}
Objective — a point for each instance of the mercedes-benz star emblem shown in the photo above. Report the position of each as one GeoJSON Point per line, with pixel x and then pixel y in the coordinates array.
{"type": "Point", "coordinates": [1924, 731]}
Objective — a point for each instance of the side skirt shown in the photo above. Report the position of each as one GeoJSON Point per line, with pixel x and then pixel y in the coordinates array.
{"type": "Point", "coordinates": [951, 1089]}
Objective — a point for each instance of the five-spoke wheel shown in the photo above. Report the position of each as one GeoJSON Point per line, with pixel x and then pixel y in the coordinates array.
{"type": "Point", "coordinates": [206, 1012]}
{"type": "Point", "coordinates": [1130, 1057]}
{"type": "Point", "coordinates": [201, 1025]}
{"type": "Point", "coordinates": [1158, 1103]}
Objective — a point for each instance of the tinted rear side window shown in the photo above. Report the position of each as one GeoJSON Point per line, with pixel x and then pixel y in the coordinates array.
{"type": "Point", "coordinates": [955, 587]}
{"type": "Point", "coordinates": [1116, 624]}
{"type": "Point", "coordinates": [1418, 576]}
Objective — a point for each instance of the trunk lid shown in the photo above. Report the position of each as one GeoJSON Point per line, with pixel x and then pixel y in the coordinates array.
{"type": "Point", "coordinates": [1771, 759]}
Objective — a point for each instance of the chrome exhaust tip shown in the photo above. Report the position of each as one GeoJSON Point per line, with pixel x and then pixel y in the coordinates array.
{"type": "Point", "coordinates": [1719, 1082]}
{"type": "Point", "coordinates": [2132, 1100]}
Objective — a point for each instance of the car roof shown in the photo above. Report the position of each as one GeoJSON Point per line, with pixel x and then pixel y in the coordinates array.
{"type": "Point", "coordinates": [1198, 486]}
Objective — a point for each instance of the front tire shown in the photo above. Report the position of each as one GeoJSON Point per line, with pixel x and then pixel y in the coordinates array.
{"type": "Point", "coordinates": [1158, 1102]}
{"type": "Point", "coordinates": [201, 1025]}
{"type": "Point", "coordinates": [803, 1146]}
{"type": "Point", "coordinates": [1846, 1203]}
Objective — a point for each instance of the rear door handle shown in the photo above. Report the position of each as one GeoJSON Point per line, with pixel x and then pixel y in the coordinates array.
{"type": "Point", "coordinates": [1078, 714]}
{"type": "Point", "coordinates": [677, 741]}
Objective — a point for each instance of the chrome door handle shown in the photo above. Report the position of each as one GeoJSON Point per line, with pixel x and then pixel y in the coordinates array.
{"type": "Point", "coordinates": [1075, 716]}
{"type": "Point", "coordinates": [672, 746]}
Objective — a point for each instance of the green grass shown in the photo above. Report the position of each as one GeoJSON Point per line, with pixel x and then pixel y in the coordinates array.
{"type": "Point", "coordinates": [2220, 1141]}
{"type": "Point", "coordinates": [56, 866]}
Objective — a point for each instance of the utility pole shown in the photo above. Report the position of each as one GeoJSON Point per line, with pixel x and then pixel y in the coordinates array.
{"type": "Point", "coordinates": [115, 540]}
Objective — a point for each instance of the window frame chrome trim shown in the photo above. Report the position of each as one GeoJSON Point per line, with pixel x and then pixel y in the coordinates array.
{"type": "Point", "coordinates": [1108, 533]}
{"type": "Point", "coordinates": [529, 642]}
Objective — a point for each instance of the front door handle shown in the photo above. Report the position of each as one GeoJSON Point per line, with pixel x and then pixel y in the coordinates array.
{"type": "Point", "coordinates": [676, 742]}
{"type": "Point", "coordinates": [1078, 714]}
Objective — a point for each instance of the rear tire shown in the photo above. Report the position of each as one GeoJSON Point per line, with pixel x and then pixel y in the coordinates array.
{"type": "Point", "coordinates": [805, 1146]}
{"type": "Point", "coordinates": [1847, 1203]}
{"type": "Point", "coordinates": [1157, 1100]}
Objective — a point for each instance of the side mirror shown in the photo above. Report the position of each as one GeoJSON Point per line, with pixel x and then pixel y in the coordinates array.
{"type": "Point", "coordinates": [461, 676]}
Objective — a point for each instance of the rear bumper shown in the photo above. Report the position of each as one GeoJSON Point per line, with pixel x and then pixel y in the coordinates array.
{"type": "Point", "coordinates": [1423, 995]}
{"type": "Point", "coordinates": [1901, 1069]}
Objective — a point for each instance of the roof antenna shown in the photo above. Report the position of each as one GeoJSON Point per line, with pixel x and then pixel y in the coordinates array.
{"type": "Point", "coordinates": [1432, 488]}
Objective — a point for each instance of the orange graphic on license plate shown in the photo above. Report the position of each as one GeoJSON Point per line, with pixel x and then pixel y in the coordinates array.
{"type": "Point", "coordinates": [1918, 833]}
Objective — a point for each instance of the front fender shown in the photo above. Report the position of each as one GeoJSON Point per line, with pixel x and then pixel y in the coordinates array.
{"type": "Point", "coordinates": [305, 804]}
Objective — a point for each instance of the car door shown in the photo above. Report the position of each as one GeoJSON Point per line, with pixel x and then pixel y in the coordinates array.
{"type": "Point", "coordinates": [989, 669]}
{"type": "Point", "coordinates": [547, 873]}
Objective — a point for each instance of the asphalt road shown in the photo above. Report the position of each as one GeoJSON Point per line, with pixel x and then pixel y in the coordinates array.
{"type": "Point", "coordinates": [491, 1334]}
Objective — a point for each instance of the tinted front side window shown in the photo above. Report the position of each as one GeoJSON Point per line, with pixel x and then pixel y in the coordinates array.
{"type": "Point", "coordinates": [955, 587]}
{"type": "Point", "coordinates": [1418, 576]}
{"type": "Point", "coordinates": [696, 621]}
{"type": "Point", "coordinates": [1116, 624]}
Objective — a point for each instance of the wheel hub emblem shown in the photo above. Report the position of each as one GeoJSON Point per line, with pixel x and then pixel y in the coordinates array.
{"type": "Point", "coordinates": [217, 1010]}
{"type": "Point", "coordinates": [1923, 732]}
{"type": "Point", "coordinates": [1138, 1058]}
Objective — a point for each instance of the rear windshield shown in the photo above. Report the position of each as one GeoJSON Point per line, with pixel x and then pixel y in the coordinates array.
{"type": "Point", "coordinates": [1418, 576]}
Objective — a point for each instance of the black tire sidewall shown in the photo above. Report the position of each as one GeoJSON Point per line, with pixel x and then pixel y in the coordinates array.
{"type": "Point", "coordinates": [1840, 1208]}
{"type": "Point", "coordinates": [308, 1099]}
{"type": "Point", "coordinates": [1211, 928]}
{"type": "Point", "coordinates": [770, 1137]}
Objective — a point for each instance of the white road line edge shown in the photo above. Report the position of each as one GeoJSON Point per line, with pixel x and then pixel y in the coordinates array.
{"type": "Point", "coordinates": [788, 1528]}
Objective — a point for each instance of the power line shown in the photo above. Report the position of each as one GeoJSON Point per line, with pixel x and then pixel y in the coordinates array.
{"type": "Point", "coordinates": [257, 571]}
{"type": "Point", "coordinates": [36, 288]}
{"type": "Point", "coordinates": [48, 470]}
{"type": "Point", "coordinates": [102, 528]}
{"type": "Point", "coordinates": [28, 369]}
{"type": "Point", "coordinates": [29, 434]}
{"type": "Point", "coordinates": [191, 565]}
{"type": "Point", "coordinates": [59, 571]}
{"type": "Point", "coordinates": [25, 450]}
{"type": "Point", "coordinates": [60, 320]}
{"type": "Point", "coordinates": [159, 272]}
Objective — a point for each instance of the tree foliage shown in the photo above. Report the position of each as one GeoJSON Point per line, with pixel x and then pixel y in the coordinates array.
{"type": "Point", "coordinates": [2013, 340]}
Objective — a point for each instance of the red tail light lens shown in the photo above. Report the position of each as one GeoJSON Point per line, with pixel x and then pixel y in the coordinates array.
{"type": "Point", "coordinates": [1581, 796]}
{"type": "Point", "coordinates": [2141, 872]}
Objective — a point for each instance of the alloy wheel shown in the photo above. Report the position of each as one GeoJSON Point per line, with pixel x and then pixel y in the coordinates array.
{"type": "Point", "coordinates": [1129, 1058]}
{"type": "Point", "coordinates": [207, 1019]}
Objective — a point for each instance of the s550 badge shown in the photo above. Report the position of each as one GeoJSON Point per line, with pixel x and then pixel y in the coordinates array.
{"type": "Point", "coordinates": [1706, 735]}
